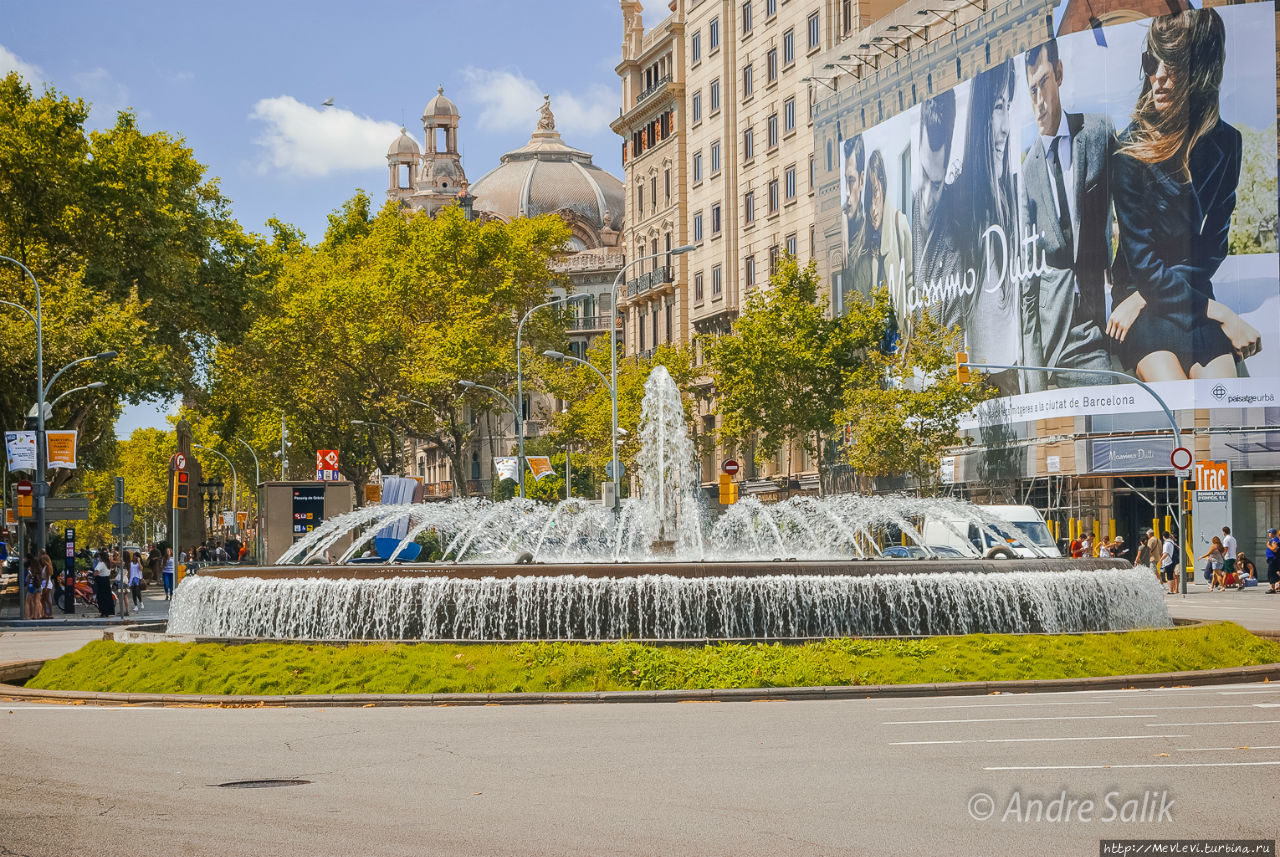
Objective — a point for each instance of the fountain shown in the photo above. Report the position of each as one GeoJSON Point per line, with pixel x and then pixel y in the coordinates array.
{"type": "Point", "coordinates": [660, 569]}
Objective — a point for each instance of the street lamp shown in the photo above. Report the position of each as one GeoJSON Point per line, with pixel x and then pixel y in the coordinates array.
{"type": "Point", "coordinates": [395, 453]}
{"type": "Point", "coordinates": [235, 480]}
{"type": "Point", "coordinates": [515, 412]}
{"type": "Point", "coordinates": [257, 506]}
{"type": "Point", "coordinates": [613, 393]}
{"type": "Point", "coordinates": [613, 352]}
{"type": "Point", "coordinates": [40, 486]}
{"type": "Point", "coordinates": [96, 385]}
{"type": "Point", "coordinates": [211, 493]}
{"type": "Point", "coordinates": [520, 376]}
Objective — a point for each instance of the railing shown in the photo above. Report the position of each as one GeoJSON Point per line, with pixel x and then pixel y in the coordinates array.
{"type": "Point", "coordinates": [439, 489]}
{"type": "Point", "coordinates": [644, 282]}
{"type": "Point", "coordinates": [590, 262]}
{"type": "Point", "coordinates": [661, 82]}
{"type": "Point", "coordinates": [590, 322]}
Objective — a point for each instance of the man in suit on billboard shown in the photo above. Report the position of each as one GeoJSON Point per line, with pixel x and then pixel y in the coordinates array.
{"type": "Point", "coordinates": [1066, 201]}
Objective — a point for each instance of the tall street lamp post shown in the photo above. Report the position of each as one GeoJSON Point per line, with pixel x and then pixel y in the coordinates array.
{"type": "Point", "coordinates": [520, 376]}
{"type": "Point", "coordinates": [235, 481]}
{"type": "Point", "coordinates": [613, 393]}
{"type": "Point", "coordinates": [257, 505]}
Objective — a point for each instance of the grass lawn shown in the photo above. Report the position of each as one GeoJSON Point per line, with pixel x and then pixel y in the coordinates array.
{"type": "Point", "coordinates": [276, 668]}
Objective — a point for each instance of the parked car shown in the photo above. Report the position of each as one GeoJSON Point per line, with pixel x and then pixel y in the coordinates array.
{"type": "Point", "coordinates": [918, 552]}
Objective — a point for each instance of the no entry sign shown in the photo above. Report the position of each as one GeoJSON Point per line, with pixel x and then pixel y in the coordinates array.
{"type": "Point", "coordinates": [731, 467]}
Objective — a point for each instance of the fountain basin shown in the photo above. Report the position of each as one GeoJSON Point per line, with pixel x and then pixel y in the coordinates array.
{"type": "Point", "coordinates": [559, 603]}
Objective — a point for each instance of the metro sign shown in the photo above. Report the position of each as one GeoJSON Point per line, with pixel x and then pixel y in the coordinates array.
{"type": "Point", "coordinates": [327, 465]}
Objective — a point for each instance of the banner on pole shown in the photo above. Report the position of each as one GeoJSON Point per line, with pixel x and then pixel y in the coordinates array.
{"type": "Point", "coordinates": [20, 446]}
{"type": "Point", "coordinates": [507, 468]}
{"type": "Point", "coordinates": [540, 465]}
{"type": "Point", "coordinates": [60, 448]}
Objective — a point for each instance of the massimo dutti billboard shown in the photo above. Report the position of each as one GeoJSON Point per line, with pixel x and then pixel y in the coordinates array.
{"type": "Point", "coordinates": [1104, 200]}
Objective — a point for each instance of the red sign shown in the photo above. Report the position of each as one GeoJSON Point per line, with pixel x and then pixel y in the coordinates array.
{"type": "Point", "coordinates": [1181, 458]}
{"type": "Point", "coordinates": [327, 465]}
{"type": "Point", "coordinates": [25, 488]}
{"type": "Point", "coordinates": [179, 461]}
{"type": "Point", "coordinates": [731, 467]}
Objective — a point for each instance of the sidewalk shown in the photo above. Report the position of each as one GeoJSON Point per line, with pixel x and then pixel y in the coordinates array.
{"type": "Point", "coordinates": [1251, 608]}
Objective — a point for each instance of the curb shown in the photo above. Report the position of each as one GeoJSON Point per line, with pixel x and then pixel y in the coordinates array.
{"type": "Point", "coordinates": [21, 670]}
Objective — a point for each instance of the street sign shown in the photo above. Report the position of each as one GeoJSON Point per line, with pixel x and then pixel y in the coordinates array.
{"type": "Point", "coordinates": [731, 467]}
{"type": "Point", "coordinates": [25, 502]}
{"type": "Point", "coordinates": [179, 461]}
{"type": "Point", "coordinates": [327, 465]}
{"type": "Point", "coordinates": [608, 469]}
{"type": "Point", "coordinates": [1181, 459]}
{"type": "Point", "coordinates": [121, 515]}
{"type": "Point", "coordinates": [66, 508]}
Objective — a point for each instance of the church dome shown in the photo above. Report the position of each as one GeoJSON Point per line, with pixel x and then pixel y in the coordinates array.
{"type": "Point", "coordinates": [440, 107]}
{"type": "Point", "coordinates": [546, 176]}
{"type": "Point", "coordinates": [404, 145]}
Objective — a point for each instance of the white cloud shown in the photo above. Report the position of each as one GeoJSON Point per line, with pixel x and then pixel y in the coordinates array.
{"type": "Point", "coordinates": [9, 61]}
{"type": "Point", "coordinates": [105, 94]}
{"type": "Point", "coordinates": [509, 102]}
{"type": "Point", "coordinates": [317, 141]}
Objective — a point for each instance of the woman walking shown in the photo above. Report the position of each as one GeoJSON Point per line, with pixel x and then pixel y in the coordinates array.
{"type": "Point", "coordinates": [169, 569]}
{"type": "Point", "coordinates": [1215, 554]}
{"type": "Point", "coordinates": [135, 579]}
{"type": "Point", "coordinates": [102, 586]}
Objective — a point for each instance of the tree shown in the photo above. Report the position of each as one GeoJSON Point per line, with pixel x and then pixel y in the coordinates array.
{"type": "Point", "coordinates": [902, 408]}
{"type": "Point", "coordinates": [781, 374]}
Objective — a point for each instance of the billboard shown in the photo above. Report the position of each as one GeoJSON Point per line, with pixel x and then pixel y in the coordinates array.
{"type": "Point", "coordinates": [1103, 201]}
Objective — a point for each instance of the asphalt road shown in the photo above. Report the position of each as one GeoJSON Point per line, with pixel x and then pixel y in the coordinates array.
{"type": "Point", "coordinates": [880, 777]}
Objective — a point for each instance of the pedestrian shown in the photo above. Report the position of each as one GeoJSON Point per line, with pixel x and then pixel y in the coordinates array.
{"type": "Point", "coordinates": [1117, 548]}
{"type": "Point", "coordinates": [1077, 548]}
{"type": "Point", "coordinates": [1245, 570]}
{"type": "Point", "coordinates": [47, 575]}
{"type": "Point", "coordinates": [102, 586]}
{"type": "Point", "coordinates": [1144, 551]}
{"type": "Point", "coordinates": [135, 580]}
{"type": "Point", "coordinates": [1153, 550]}
{"type": "Point", "coordinates": [120, 583]}
{"type": "Point", "coordinates": [168, 573]}
{"type": "Point", "coordinates": [1169, 562]}
{"type": "Point", "coordinates": [1086, 546]}
{"type": "Point", "coordinates": [32, 595]}
{"type": "Point", "coordinates": [155, 563]}
{"type": "Point", "coordinates": [1229, 550]}
{"type": "Point", "coordinates": [1273, 561]}
{"type": "Point", "coordinates": [1213, 569]}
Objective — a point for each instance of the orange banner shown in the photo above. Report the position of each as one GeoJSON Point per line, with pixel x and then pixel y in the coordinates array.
{"type": "Point", "coordinates": [540, 465]}
{"type": "Point", "coordinates": [61, 449]}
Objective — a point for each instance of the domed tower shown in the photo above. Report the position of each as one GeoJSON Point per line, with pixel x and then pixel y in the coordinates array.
{"type": "Point", "coordinates": [435, 176]}
{"type": "Point", "coordinates": [403, 160]}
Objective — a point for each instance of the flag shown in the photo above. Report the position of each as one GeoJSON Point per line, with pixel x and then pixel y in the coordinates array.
{"type": "Point", "coordinates": [60, 449]}
{"type": "Point", "coordinates": [540, 465]}
{"type": "Point", "coordinates": [507, 468]}
{"type": "Point", "coordinates": [21, 449]}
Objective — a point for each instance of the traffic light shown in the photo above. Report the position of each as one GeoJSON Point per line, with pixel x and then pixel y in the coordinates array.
{"type": "Point", "coordinates": [1187, 488]}
{"type": "Point", "coordinates": [728, 490]}
{"type": "Point", "coordinates": [181, 489]}
{"type": "Point", "coordinates": [962, 367]}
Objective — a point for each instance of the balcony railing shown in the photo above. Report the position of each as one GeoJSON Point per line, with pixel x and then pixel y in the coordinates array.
{"type": "Point", "coordinates": [661, 82]}
{"type": "Point", "coordinates": [644, 282]}
{"type": "Point", "coordinates": [590, 262]}
{"type": "Point", "coordinates": [589, 323]}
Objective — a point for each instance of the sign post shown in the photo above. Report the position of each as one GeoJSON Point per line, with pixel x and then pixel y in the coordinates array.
{"type": "Point", "coordinates": [69, 580]}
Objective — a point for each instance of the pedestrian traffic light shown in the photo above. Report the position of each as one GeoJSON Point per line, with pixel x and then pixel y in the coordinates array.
{"type": "Point", "coordinates": [962, 367]}
{"type": "Point", "coordinates": [728, 490]}
{"type": "Point", "coordinates": [1186, 496]}
{"type": "Point", "coordinates": [181, 489]}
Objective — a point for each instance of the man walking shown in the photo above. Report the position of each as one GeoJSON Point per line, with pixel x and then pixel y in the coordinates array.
{"type": "Point", "coordinates": [1169, 563]}
{"type": "Point", "coordinates": [1065, 202]}
{"type": "Point", "coordinates": [1273, 561]}
{"type": "Point", "coordinates": [1229, 550]}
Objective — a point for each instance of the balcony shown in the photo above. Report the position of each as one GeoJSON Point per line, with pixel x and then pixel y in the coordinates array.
{"type": "Point", "coordinates": [661, 82]}
{"type": "Point", "coordinates": [645, 282]}
{"type": "Point", "coordinates": [589, 262]}
{"type": "Point", "coordinates": [589, 324]}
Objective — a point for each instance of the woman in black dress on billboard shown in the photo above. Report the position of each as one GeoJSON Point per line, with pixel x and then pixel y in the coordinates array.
{"type": "Point", "coordinates": [1174, 182]}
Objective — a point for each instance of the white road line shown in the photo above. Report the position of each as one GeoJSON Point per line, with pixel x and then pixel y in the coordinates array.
{"type": "Point", "coordinates": [1104, 767]}
{"type": "Point", "coordinates": [1208, 749]}
{"type": "Point", "coordinates": [1211, 723]}
{"type": "Point", "coordinates": [1188, 707]}
{"type": "Point", "coordinates": [1019, 719]}
{"type": "Point", "coordinates": [1025, 740]}
{"type": "Point", "coordinates": [1247, 692]}
{"type": "Point", "coordinates": [1054, 703]}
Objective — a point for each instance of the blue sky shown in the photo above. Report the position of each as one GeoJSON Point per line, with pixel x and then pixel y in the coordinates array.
{"type": "Point", "coordinates": [243, 83]}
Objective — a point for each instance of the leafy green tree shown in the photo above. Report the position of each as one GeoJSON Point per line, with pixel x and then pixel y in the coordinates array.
{"type": "Point", "coordinates": [902, 408]}
{"type": "Point", "coordinates": [781, 374]}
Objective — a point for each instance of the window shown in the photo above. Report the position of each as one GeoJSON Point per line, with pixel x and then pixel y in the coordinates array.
{"type": "Point", "coordinates": [715, 280]}
{"type": "Point", "coordinates": [813, 173]}
{"type": "Point", "coordinates": [653, 191]}
{"type": "Point", "coordinates": [697, 227]}
{"type": "Point", "coordinates": [713, 34]}
{"type": "Point", "coordinates": [715, 157]}
{"type": "Point", "coordinates": [773, 197]}
{"type": "Point", "coordinates": [746, 17]}
{"type": "Point", "coordinates": [697, 168]}
{"type": "Point", "coordinates": [772, 127]}
{"type": "Point", "coordinates": [715, 219]}
{"type": "Point", "coordinates": [813, 241]}
{"type": "Point", "coordinates": [789, 115]}
{"type": "Point", "coordinates": [749, 207]}
{"type": "Point", "coordinates": [747, 87]}
{"type": "Point", "coordinates": [773, 260]}
{"type": "Point", "coordinates": [640, 330]}
{"type": "Point", "coordinates": [749, 271]}
{"type": "Point", "coordinates": [668, 319]}
{"type": "Point", "coordinates": [791, 244]}
{"type": "Point", "coordinates": [846, 16]}
{"type": "Point", "coordinates": [666, 180]}
{"type": "Point", "coordinates": [696, 107]}
{"type": "Point", "coordinates": [695, 47]}
{"type": "Point", "coordinates": [714, 95]}
{"type": "Point", "coordinates": [770, 8]}
{"type": "Point", "coordinates": [814, 34]}
{"type": "Point", "coordinates": [788, 47]}
{"type": "Point", "coordinates": [790, 177]}
{"type": "Point", "coordinates": [771, 64]}
{"type": "Point", "coordinates": [697, 287]}
{"type": "Point", "coordinates": [640, 197]}
{"type": "Point", "coordinates": [748, 144]}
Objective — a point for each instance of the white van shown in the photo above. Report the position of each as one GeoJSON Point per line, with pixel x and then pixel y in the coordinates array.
{"type": "Point", "coordinates": [966, 536]}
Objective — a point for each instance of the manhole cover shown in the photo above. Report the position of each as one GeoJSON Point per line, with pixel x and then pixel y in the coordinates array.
{"type": "Point", "coordinates": [262, 784]}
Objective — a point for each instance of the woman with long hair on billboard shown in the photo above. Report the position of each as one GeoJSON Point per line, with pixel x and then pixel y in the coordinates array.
{"type": "Point", "coordinates": [993, 321]}
{"type": "Point", "coordinates": [888, 241]}
{"type": "Point", "coordinates": [1174, 182]}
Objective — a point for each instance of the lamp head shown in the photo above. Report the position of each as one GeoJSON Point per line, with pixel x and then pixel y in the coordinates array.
{"type": "Point", "coordinates": [359, 423]}
{"type": "Point", "coordinates": [96, 385]}
{"type": "Point", "coordinates": [685, 248]}
{"type": "Point", "coordinates": [106, 355]}
{"type": "Point", "coordinates": [554, 355]}
{"type": "Point", "coordinates": [466, 385]}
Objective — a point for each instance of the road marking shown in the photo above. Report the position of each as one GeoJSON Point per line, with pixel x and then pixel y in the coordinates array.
{"type": "Point", "coordinates": [1212, 723]}
{"type": "Point", "coordinates": [1104, 767]}
{"type": "Point", "coordinates": [1054, 703]}
{"type": "Point", "coordinates": [1247, 692]}
{"type": "Point", "coordinates": [1024, 740]}
{"type": "Point", "coordinates": [1021, 719]}
{"type": "Point", "coordinates": [1207, 749]}
{"type": "Point", "coordinates": [1190, 707]}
